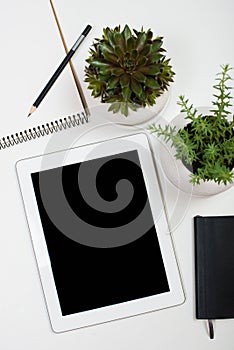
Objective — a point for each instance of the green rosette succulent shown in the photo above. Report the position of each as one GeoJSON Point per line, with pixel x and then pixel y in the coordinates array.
{"type": "Point", "coordinates": [128, 70]}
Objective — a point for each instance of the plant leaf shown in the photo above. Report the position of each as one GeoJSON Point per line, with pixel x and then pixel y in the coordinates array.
{"type": "Point", "coordinates": [152, 83]}
{"type": "Point", "coordinates": [119, 40]}
{"type": "Point", "coordinates": [149, 34]}
{"type": "Point", "coordinates": [124, 80]}
{"type": "Point", "coordinates": [130, 44]}
{"type": "Point", "coordinates": [126, 92]}
{"type": "Point", "coordinates": [104, 47]}
{"type": "Point", "coordinates": [111, 38]}
{"type": "Point", "coordinates": [136, 87]}
{"type": "Point", "coordinates": [118, 51]}
{"type": "Point", "coordinates": [141, 40]}
{"type": "Point", "coordinates": [157, 43]}
{"type": "Point", "coordinates": [117, 71]}
{"type": "Point", "coordinates": [134, 54]}
{"type": "Point", "coordinates": [112, 82]}
{"type": "Point", "coordinates": [149, 70]}
{"type": "Point", "coordinates": [110, 57]}
{"type": "Point", "coordinates": [127, 32]}
{"type": "Point", "coordinates": [100, 64]}
{"type": "Point", "coordinates": [146, 50]}
{"type": "Point", "coordinates": [139, 76]}
{"type": "Point", "coordinates": [124, 108]}
{"type": "Point", "coordinates": [114, 107]}
{"type": "Point", "coordinates": [141, 61]}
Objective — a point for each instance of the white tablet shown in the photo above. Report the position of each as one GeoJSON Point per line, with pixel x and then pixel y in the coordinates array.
{"type": "Point", "coordinates": [99, 232]}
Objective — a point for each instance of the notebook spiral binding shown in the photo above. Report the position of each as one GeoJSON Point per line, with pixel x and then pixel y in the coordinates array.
{"type": "Point", "coordinates": [43, 130]}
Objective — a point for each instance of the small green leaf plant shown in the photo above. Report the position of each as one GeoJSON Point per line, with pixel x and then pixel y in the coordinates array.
{"type": "Point", "coordinates": [206, 144]}
{"type": "Point", "coordinates": [128, 69]}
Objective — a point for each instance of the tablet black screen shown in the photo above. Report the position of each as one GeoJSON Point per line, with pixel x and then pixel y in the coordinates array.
{"type": "Point", "coordinates": [108, 196]}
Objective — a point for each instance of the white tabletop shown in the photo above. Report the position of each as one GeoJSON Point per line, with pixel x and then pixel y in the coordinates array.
{"type": "Point", "coordinates": [198, 37]}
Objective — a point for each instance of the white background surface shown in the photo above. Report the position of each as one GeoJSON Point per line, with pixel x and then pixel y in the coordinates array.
{"type": "Point", "coordinates": [199, 37]}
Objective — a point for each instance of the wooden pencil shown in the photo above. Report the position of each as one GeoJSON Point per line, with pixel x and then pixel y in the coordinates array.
{"type": "Point", "coordinates": [59, 70]}
{"type": "Point", "coordinates": [77, 82]}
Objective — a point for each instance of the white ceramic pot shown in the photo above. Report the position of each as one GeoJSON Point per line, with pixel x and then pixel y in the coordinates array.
{"type": "Point", "coordinates": [178, 174]}
{"type": "Point", "coordinates": [141, 116]}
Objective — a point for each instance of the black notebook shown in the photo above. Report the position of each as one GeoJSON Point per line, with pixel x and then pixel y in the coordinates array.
{"type": "Point", "coordinates": [214, 267]}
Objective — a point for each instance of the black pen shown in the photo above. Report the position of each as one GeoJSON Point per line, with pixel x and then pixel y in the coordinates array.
{"type": "Point", "coordinates": [59, 69]}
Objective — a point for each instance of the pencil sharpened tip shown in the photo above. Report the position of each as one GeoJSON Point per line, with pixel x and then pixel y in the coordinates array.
{"type": "Point", "coordinates": [32, 109]}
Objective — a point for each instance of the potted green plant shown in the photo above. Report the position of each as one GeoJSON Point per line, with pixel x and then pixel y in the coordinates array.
{"type": "Point", "coordinates": [128, 69]}
{"type": "Point", "coordinates": [205, 143]}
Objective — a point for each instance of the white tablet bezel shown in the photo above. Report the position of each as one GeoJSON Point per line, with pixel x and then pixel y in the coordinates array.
{"type": "Point", "coordinates": [137, 142]}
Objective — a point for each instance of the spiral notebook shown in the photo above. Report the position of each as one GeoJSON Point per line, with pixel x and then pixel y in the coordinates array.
{"type": "Point", "coordinates": [71, 121]}
{"type": "Point", "coordinates": [68, 122]}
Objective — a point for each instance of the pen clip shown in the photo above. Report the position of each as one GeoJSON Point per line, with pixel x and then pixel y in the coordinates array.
{"type": "Point", "coordinates": [211, 329]}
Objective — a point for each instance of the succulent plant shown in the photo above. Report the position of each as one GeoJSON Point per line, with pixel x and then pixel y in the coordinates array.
{"type": "Point", "coordinates": [128, 70]}
{"type": "Point", "coordinates": [206, 144]}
